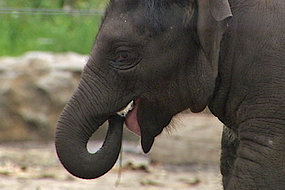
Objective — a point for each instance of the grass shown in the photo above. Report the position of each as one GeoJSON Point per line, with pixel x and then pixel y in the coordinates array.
{"type": "Point", "coordinates": [56, 33]}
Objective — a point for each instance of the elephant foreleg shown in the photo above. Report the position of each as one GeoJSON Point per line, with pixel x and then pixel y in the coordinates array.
{"type": "Point", "coordinates": [229, 147]}
{"type": "Point", "coordinates": [260, 156]}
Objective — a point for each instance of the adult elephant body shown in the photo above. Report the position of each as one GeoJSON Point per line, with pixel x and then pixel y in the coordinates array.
{"type": "Point", "coordinates": [250, 97]}
{"type": "Point", "coordinates": [170, 55]}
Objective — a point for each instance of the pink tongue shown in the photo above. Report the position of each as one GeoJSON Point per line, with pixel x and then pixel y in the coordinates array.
{"type": "Point", "coordinates": [132, 120]}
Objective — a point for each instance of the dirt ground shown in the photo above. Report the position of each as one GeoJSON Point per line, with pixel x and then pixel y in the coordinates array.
{"type": "Point", "coordinates": [35, 166]}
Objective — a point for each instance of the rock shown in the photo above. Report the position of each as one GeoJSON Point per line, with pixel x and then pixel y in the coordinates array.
{"type": "Point", "coordinates": [59, 85]}
{"type": "Point", "coordinates": [196, 140]}
{"type": "Point", "coordinates": [34, 89]}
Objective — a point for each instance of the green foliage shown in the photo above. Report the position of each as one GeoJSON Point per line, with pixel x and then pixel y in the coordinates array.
{"type": "Point", "coordinates": [56, 33]}
{"type": "Point", "coordinates": [78, 4]}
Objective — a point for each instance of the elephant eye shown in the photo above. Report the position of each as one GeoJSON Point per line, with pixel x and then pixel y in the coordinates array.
{"type": "Point", "coordinates": [125, 59]}
{"type": "Point", "coordinates": [122, 56]}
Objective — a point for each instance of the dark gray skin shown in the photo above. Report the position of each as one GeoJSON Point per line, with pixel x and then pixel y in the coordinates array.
{"type": "Point", "coordinates": [173, 55]}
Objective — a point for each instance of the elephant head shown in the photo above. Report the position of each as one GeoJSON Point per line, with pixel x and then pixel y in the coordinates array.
{"type": "Point", "coordinates": [161, 54]}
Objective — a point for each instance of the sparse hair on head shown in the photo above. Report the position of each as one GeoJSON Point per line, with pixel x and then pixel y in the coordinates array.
{"type": "Point", "coordinates": [153, 11]}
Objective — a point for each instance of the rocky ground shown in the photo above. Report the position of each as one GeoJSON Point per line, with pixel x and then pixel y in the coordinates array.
{"type": "Point", "coordinates": [34, 166]}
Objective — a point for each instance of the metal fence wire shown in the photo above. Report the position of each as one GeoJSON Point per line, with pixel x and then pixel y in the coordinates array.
{"type": "Point", "coordinates": [36, 11]}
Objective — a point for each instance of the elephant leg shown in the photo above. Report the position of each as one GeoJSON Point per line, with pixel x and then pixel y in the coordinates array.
{"type": "Point", "coordinates": [229, 147]}
{"type": "Point", "coordinates": [260, 156]}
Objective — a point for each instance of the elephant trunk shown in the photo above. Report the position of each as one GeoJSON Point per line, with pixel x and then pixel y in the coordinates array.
{"type": "Point", "coordinates": [74, 129]}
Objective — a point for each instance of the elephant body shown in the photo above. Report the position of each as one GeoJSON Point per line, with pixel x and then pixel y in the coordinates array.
{"type": "Point", "coordinates": [250, 96]}
{"type": "Point", "coordinates": [171, 55]}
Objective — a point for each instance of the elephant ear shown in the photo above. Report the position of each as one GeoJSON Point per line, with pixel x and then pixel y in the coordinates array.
{"type": "Point", "coordinates": [211, 24]}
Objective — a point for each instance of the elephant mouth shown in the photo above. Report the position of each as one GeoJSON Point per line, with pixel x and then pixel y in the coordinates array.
{"type": "Point", "coordinates": [130, 112]}
{"type": "Point", "coordinates": [132, 119]}
{"type": "Point", "coordinates": [133, 123]}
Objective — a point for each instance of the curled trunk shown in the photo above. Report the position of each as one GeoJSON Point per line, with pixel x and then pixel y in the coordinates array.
{"type": "Point", "coordinates": [73, 131]}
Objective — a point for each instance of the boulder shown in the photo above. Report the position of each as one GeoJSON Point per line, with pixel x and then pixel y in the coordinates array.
{"type": "Point", "coordinates": [34, 89]}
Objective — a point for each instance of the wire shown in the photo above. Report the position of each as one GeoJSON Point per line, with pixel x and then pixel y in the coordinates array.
{"type": "Point", "coordinates": [31, 11]}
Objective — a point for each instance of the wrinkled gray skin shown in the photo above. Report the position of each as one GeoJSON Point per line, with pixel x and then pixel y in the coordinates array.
{"type": "Point", "coordinates": [176, 54]}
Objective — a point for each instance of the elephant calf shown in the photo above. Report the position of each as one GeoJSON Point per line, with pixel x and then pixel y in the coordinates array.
{"type": "Point", "coordinates": [170, 55]}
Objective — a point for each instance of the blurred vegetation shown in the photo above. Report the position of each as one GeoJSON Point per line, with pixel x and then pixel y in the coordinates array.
{"type": "Point", "coordinates": [57, 33]}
